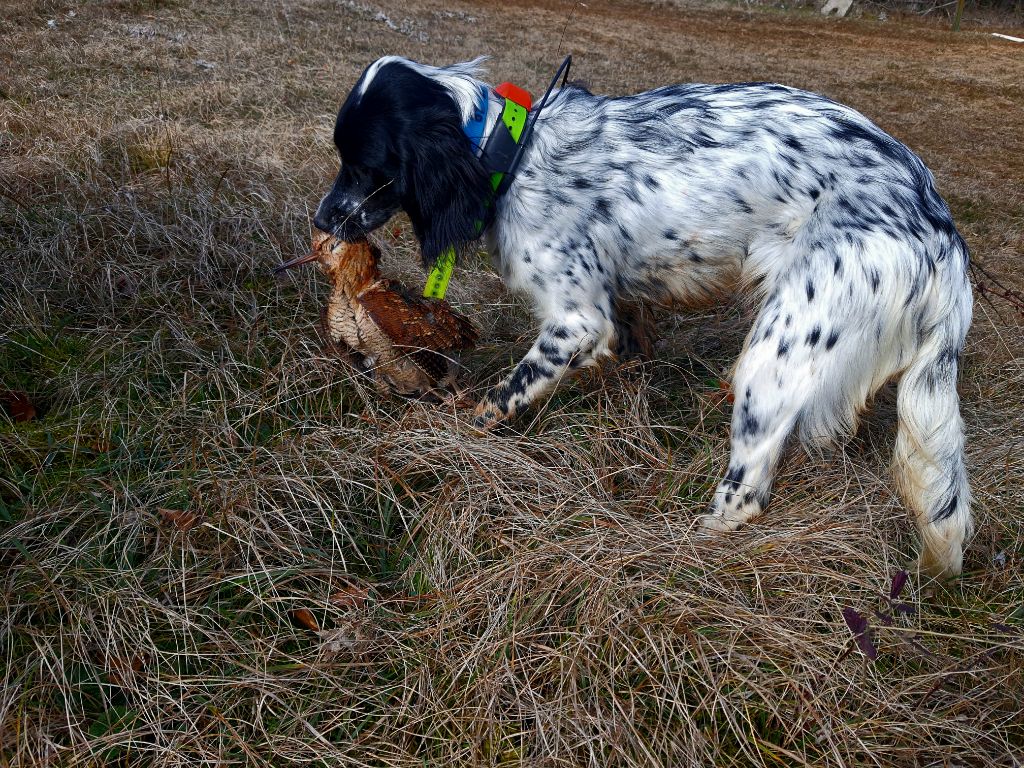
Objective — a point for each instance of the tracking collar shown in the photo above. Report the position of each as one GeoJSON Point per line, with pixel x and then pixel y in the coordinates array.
{"type": "Point", "coordinates": [497, 150]}
{"type": "Point", "coordinates": [497, 153]}
{"type": "Point", "coordinates": [500, 153]}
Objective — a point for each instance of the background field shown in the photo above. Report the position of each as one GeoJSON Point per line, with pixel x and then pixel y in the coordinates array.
{"type": "Point", "coordinates": [219, 546]}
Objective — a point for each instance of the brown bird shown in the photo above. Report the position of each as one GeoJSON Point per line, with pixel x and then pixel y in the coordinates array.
{"type": "Point", "coordinates": [407, 342]}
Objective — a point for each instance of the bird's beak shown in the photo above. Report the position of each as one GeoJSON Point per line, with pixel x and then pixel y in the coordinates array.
{"type": "Point", "coordinates": [311, 256]}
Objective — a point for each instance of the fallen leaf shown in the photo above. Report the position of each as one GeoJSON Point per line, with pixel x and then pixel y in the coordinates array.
{"type": "Point", "coordinates": [1006, 629]}
{"type": "Point", "coordinates": [350, 637]}
{"type": "Point", "coordinates": [353, 597]}
{"type": "Point", "coordinates": [305, 618]}
{"type": "Point", "coordinates": [123, 670]}
{"type": "Point", "coordinates": [182, 519]}
{"type": "Point", "coordinates": [17, 404]}
{"type": "Point", "coordinates": [726, 387]}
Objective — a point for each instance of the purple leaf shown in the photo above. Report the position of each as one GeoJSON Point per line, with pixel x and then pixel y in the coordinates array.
{"type": "Point", "coordinates": [867, 646]}
{"type": "Point", "coordinates": [1005, 629]}
{"type": "Point", "coordinates": [861, 634]}
{"type": "Point", "coordinates": [904, 608]}
{"type": "Point", "coordinates": [855, 621]}
{"type": "Point", "coordinates": [898, 582]}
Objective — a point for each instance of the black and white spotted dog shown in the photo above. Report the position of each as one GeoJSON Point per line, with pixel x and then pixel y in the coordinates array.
{"type": "Point", "coordinates": [677, 196]}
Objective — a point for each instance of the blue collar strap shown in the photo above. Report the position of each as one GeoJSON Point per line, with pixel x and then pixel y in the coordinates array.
{"type": "Point", "coordinates": [474, 129]}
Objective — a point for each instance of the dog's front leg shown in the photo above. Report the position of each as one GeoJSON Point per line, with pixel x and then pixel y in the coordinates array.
{"type": "Point", "coordinates": [568, 341]}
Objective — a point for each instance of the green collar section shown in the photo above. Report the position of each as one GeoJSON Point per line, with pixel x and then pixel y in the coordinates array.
{"type": "Point", "coordinates": [513, 117]}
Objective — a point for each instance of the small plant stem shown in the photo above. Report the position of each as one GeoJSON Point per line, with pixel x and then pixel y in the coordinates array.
{"type": "Point", "coordinates": [958, 15]}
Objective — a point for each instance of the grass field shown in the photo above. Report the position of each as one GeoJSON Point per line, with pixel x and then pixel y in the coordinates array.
{"type": "Point", "coordinates": [219, 546]}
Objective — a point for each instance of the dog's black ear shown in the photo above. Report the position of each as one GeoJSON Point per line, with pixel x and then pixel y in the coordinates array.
{"type": "Point", "coordinates": [444, 188]}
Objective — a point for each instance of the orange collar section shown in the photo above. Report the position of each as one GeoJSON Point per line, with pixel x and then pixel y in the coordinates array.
{"type": "Point", "coordinates": [515, 94]}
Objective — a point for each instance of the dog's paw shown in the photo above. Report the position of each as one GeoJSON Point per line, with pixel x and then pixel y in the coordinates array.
{"type": "Point", "coordinates": [487, 416]}
{"type": "Point", "coordinates": [932, 572]}
{"type": "Point", "coordinates": [716, 522]}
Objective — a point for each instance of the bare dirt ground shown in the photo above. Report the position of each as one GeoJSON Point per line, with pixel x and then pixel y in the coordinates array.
{"type": "Point", "coordinates": [219, 546]}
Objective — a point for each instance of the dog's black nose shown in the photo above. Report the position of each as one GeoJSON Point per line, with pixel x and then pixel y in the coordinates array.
{"type": "Point", "coordinates": [322, 222]}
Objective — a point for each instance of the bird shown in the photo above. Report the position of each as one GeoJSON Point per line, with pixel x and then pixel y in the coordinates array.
{"type": "Point", "coordinates": [408, 343]}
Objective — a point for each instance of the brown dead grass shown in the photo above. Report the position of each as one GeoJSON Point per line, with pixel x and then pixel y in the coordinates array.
{"type": "Point", "coordinates": [219, 546]}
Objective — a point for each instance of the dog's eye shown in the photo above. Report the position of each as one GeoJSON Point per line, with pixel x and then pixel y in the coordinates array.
{"type": "Point", "coordinates": [390, 166]}
{"type": "Point", "coordinates": [354, 173]}
{"type": "Point", "coordinates": [378, 159]}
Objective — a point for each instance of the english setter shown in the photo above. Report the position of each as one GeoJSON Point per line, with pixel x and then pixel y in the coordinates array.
{"type": "Point", "coordinates": [676, 197]}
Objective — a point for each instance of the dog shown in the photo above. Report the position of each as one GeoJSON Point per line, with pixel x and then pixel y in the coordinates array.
{"type": "Point", "coordinates": [677, 197]}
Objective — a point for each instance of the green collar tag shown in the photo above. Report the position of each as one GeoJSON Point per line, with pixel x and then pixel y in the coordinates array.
{"type": "Point", "coordinates": [514, 117]}
{"type": "Point", "coordinates": [437, 280]}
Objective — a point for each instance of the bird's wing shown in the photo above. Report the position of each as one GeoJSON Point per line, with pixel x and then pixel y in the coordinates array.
{"type": "Point", "coordinates": [413, 322]}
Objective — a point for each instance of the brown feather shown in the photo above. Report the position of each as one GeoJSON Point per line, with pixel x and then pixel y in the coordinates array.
{"type": "Point", "coordinates": [415, 322]}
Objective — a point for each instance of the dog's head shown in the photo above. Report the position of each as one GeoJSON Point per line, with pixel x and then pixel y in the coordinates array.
{"type": "Point", "coordinates": [400, 139]}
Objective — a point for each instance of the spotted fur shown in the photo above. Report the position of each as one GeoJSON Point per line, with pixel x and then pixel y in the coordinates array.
{"type": "Point", "coordinates": [676, 197]}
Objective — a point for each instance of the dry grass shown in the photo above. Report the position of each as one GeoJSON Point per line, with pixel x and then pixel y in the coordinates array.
{"type": "Point", "coordinates": [220, 547]}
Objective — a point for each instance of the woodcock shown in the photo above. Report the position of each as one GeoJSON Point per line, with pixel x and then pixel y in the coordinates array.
{"type": "Point", "coordinates": [408, 343]}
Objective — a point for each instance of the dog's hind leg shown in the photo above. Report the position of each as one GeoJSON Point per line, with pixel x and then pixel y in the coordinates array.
{"type": "Point", "coordinates": [795, 370]}
{"type": "Point", "coordinates": [766, 409]}
{"type": "Point", "coordinates": [929, 455]}
{"type": "Point", "coordinates": [634, 331]}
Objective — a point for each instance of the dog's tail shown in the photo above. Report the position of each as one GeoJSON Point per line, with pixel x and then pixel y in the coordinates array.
{"type": "Point", "coordinates": [929, 455]}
